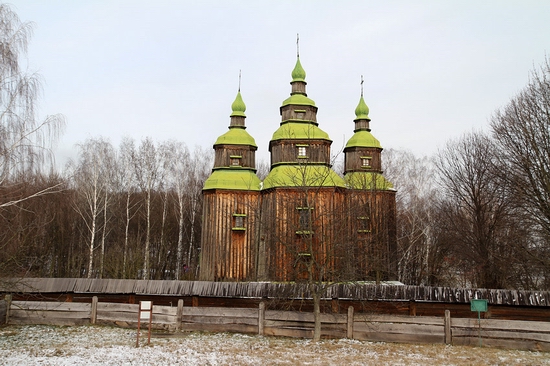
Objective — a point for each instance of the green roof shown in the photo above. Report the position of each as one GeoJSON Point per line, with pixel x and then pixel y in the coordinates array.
{"type": "Point", "coordinates": [302, 176]}
{"type": "Point", "coordinates": [363, 139]}
{"type": "Point", "coordinates": [299, 131]}
{"type": "Point", "coordinates": [236, 136]}
{"type": "Point", "coordinates": [298, 74]}
{"type": "Point", "coordinates": [238, 107]}
{"type": "Point", "coordinates": [367, 181]}
{"type": "Point", "coordinates": [298, 99]}
{"type": "Point", "coordinates": [362, 110]}
{"type": "Point", "coordinates": [234, 179]}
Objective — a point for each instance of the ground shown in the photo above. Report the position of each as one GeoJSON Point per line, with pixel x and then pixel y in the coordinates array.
{"type": "Point", "coordinates": [97, 345]}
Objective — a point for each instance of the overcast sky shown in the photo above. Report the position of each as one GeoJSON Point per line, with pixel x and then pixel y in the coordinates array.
{"type": "Point", "coordinates": [169, 69]}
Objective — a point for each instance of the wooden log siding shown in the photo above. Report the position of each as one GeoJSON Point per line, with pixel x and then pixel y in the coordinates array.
{"type": "Point", "coordinates": [281, 227]}
{"type": "Point", "coordinates": [228, 254]}
{"type": "Point", "coordinates": [269, 290]}
{"type": "Point", "coordinates": [223, 155]}
{"type": "Point", "coordinates": [353, 161]}
{"type": "Point", "coordinates": [285, 151]}
{"type": "Point", "coordinates": [310, 115]}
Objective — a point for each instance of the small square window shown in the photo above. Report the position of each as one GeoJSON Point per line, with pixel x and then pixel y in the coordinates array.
{"type": "Point", "coordinates": [365, 162]}
{"type": "Point", "coordinates": [238, 222]}
{"type": "Point", "coordinates": [363, 224]}
{"type": "Point", "coordinates": [302, 151]}
{"type": "Point", "coordinates": [235, 160]}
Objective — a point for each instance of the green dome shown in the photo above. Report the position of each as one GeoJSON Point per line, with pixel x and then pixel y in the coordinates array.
{"type": "Point", "coordinates": [363, 139]}
{"type": "Point", "coordinates": [302, 176]}
{"type": "Point", "coordinates": [362, 110]}
{"type": "Point", "coordinates": [238, 107]}
{"type": "Point", "coordinates": [298, 99]}
{"type": "Point", "coordinates": [235, 179]}
{"type": "Point", "coordinates": [298, 74]}
{"type": "Point", "coordinates": [236, 136]}
{"type": "Point", "coordinates": [299, 131]}
{"type": "Point", "coordinates": [368, 181]}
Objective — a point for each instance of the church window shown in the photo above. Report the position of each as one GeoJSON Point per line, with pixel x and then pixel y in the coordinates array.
{"type": "Point", "coordinates": [363, 224]}
{"type": "Point", "coordinates": [300, 114]}
{"type": "Point", "coordinates": [235, 160]}
{"type": "Point", "coordinates": [304, 220]}
{"type": "Point", "coordinates": [366, 161]}
{"type": "Point", "coordinates": [238, 222]}
{"type": "Point", "coordinates": [302, 151]}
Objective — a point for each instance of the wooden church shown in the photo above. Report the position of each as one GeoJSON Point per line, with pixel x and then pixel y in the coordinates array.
{"type": "Point", "coordinates": [304, 221]}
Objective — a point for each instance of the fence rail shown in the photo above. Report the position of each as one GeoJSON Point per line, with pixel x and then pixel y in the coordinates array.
{"type": "Point", "coordinates": [388, 328]}
{"type": "Point", "coordinates": [268, 290]}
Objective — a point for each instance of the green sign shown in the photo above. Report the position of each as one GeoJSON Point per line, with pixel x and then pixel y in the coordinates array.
{"type": "Point", "coordinates": [479, 305]}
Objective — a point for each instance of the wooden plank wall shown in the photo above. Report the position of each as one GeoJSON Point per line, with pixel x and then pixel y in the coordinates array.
{"type": "Point", "coordinates": [387, 328]}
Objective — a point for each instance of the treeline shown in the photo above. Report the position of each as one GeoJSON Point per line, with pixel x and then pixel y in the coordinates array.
{"type": "Point", "coordinates": [478, 212]}
{"type": "Point", "coordinates": [131, 212]}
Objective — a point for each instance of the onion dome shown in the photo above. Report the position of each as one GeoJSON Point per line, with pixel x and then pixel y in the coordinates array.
{"type": "Point", "coordinates": [238, 107]}
{"type": "Point", "coordinates": [362, 110]}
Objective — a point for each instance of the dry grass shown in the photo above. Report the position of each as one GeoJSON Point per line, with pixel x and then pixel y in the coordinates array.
{"type": "Point", "coordinates": [47, 345]}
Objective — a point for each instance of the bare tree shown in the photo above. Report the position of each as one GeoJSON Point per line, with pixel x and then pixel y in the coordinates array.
{"type": "Point", "coordinates": [147, 169]}
{"type": "Point", "coordinates": [91, 183]}
{"type": "Point", "coordinates": [477, 209]}
{"type": "Point", "coordinates": [522, 132]}
{"type": "Point", "coordinates": [25, 141]}
{"type": "Point", "coordinates": [420, 256]}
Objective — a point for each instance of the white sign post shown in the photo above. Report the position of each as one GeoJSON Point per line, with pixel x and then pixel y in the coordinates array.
{"type": "Point", "coordinates": [145, 313]}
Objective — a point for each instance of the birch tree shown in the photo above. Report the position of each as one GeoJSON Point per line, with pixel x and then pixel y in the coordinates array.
{"type": "Point", "coordinates": [91, 183]}
{"type": "Point", "coordinates": [147, 170]}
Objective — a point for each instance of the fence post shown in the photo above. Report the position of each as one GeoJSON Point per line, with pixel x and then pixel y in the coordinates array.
{"type": "Point", "coordinates": [447, 325]}
{"type": "Point", "coordinates": [8, 307]}
{"type": "Point", "coordinates": [412, 308]}
{"type": "Point", "coordinates": [350, 322]}
{"type": "Point", "coordinates": [179, 316]}
{"type": "Point", "coordinates": [93, 314]}
{"type": "Point", "coordinates": [261, 318]}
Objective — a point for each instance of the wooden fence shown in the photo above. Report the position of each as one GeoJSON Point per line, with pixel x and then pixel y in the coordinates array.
{"type": "Point", "coordinates": [388, 328]}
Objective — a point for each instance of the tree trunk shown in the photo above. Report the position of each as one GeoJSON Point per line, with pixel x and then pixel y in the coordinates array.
{"type": "Point", "coordinates": [147, 238]}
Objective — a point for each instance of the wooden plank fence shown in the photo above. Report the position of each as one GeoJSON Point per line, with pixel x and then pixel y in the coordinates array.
{"type": "Point", "coordinates": [387, 328]}
{"type": "Point", "coordinates": [268, 290]}
{"type": "Point", "coordinates": [4, 309]}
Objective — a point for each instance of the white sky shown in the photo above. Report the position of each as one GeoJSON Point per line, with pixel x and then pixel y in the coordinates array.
{"type": "Point", "coordinates": [169, 69]}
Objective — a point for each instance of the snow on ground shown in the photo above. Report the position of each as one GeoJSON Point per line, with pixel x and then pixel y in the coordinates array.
{"type": "Point", "coordinates": [96, 345]}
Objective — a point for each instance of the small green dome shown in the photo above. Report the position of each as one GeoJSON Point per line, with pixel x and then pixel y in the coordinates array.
{"type": "Point", "coordinates": [299, 131]}
{"type": "Point", "coordinates": [362, 110]}
{"type": "Point", "coordinates": [298, 74]}
{"type": "Point", "coordinates": [363, 139]}
{"type": "Point", "coordinates": [236, 136]}
{"type": "Point", "coordinates": [298, 99]}
{"type": "Point", "coordinates": [238, 107]}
